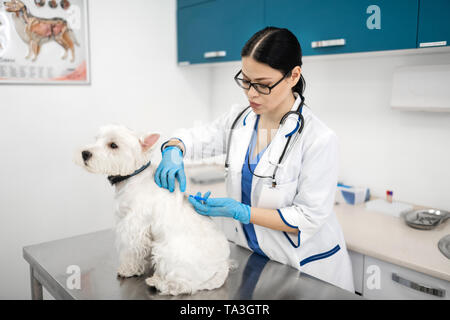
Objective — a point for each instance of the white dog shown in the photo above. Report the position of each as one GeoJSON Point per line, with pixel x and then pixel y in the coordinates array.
{"type": "Point", "coordinates": [187, 251]}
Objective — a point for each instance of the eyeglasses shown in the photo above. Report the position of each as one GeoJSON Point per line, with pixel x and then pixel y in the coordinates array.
{"type": "Point", "coordinates": [261, 88]}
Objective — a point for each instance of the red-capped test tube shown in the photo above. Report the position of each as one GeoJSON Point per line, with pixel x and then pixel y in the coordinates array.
{"type": "Point", "coordinates": [389, 194]}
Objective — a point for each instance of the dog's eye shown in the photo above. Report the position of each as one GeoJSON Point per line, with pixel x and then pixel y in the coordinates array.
{"type": "Point", "coordinates": [112, 145]}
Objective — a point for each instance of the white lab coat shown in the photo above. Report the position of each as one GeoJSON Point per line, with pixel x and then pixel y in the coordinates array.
{"type": "Point", "coordinates": [306, 185]}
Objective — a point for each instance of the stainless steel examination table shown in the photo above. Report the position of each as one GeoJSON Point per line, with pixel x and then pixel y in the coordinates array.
{"type": "Point", "coordinates": [54, 264]}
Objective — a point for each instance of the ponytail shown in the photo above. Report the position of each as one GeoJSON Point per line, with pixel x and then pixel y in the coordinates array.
{"type": "Point", "coordinates": [300, 87]}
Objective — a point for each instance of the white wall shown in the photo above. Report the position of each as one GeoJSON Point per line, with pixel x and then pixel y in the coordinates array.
{"type": "Point", "coordinates": [382, 148]}
{"type": "Point", "coordinates": [135, 81]}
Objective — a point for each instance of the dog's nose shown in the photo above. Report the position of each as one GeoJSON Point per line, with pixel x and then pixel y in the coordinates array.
{"type": "Point", "coordinates": [86, 155]}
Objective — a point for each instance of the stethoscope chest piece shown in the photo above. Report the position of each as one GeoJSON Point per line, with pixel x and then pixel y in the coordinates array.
{"type": "Point", "coordinates": [274, 184]}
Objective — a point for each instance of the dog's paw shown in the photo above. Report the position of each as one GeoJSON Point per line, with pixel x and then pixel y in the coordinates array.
{"type": "Point", "coordinates": [126, 272]}
{"type": "Point", "coordinates": [153, 281]}
{"type": "Point", "coordinates": [168, 287]}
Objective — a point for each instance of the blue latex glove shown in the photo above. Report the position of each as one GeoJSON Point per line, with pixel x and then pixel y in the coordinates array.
{"type": "Point", "coordinates": [171, 167]}
{"type": "Point", "coordinates": [220, 207]}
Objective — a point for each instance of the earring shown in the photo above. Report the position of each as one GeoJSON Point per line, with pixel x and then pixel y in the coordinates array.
{"type": "Point", "coordinates": [39, 3]}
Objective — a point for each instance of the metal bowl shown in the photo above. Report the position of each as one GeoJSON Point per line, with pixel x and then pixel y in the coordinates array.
{"type": "Point", "coordinates": [444, 246]}
{"type": "Point", "coordinates": [426, 219]}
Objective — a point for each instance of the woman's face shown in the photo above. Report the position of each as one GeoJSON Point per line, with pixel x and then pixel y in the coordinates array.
{"type": "Point", "coordinates": [255, 71]}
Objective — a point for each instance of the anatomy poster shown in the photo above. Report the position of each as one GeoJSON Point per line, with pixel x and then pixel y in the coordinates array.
{"type": "Point", "coordinates": [44, 41]}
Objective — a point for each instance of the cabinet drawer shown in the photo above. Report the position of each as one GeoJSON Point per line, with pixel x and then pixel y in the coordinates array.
{"type": "Point", "coordinates": [383, 280]}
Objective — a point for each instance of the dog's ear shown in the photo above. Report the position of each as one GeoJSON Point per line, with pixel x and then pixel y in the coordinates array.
{"type": "Point", "coordinates": [148, 141]}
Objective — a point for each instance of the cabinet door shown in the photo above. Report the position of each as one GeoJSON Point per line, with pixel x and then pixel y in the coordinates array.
{"type": "Point", "coordinates": [217, 30]}
{"type": "Point", "coordinates": [434, 24]}
{"type": "Point", "coordinates": [357, 260]}
{"type": "Point", "coordinates": [187, 3]}
{"type": "Point", "coordinates": [355, 25]}
{"type": "Point", "coordinates": [383, 280]}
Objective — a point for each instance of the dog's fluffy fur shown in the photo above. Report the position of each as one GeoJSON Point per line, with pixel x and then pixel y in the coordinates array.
{"type": "Point", "coordinates": [187, 251]}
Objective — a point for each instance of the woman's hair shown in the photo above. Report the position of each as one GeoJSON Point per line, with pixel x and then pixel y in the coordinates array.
{"type": "Point", "coordinates": [278, 48]}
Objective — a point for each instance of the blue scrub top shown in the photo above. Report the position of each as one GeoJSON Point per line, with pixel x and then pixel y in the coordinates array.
{"type": "Point", "coordinates": [246, 186]}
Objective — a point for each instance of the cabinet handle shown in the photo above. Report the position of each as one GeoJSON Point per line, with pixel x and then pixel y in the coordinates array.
{"type": "Point", "coordinates": [432, 44]}
{"type": "Point", "coordinates": [413, 285]}
{"type": "Point", "coordinates": [328, 43]}
{"type": "Point", "coordinates": [214, 54]}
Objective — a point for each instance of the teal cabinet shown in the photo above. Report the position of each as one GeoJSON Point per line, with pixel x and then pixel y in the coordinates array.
{"type": "Point", "coordinates": [216, 31]}
{"type": "Point", "coordinates": [187, 3]}
{"type": "Point", "coordinates": [333, 26]}
{"type": "Point", "coordinates": [434, 23]}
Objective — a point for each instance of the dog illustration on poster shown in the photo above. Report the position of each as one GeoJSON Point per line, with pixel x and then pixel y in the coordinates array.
{"type": "Point", "coordinates": [35, 31]}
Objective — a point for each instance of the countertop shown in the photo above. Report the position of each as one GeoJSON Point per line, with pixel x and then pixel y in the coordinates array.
{"type": "Point", "coordinates": [96, 258]}
{"type": "Point", "coordinates": [375, 234]}
{"type": "Point", "coordinates": [390, 239]}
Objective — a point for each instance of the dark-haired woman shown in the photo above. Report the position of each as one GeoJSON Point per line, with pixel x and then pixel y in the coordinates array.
{"type": "Point", "coordinates": [287, 216]}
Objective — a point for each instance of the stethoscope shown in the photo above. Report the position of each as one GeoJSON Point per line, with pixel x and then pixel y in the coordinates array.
{"type": "Point", "coordinates": [298, 129]}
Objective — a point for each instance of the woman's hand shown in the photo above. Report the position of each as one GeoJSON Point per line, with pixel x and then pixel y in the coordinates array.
{"type": "Point", "coordinates": [171, 167]}
{"type": "Point", "coordinates": [220, 207]}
